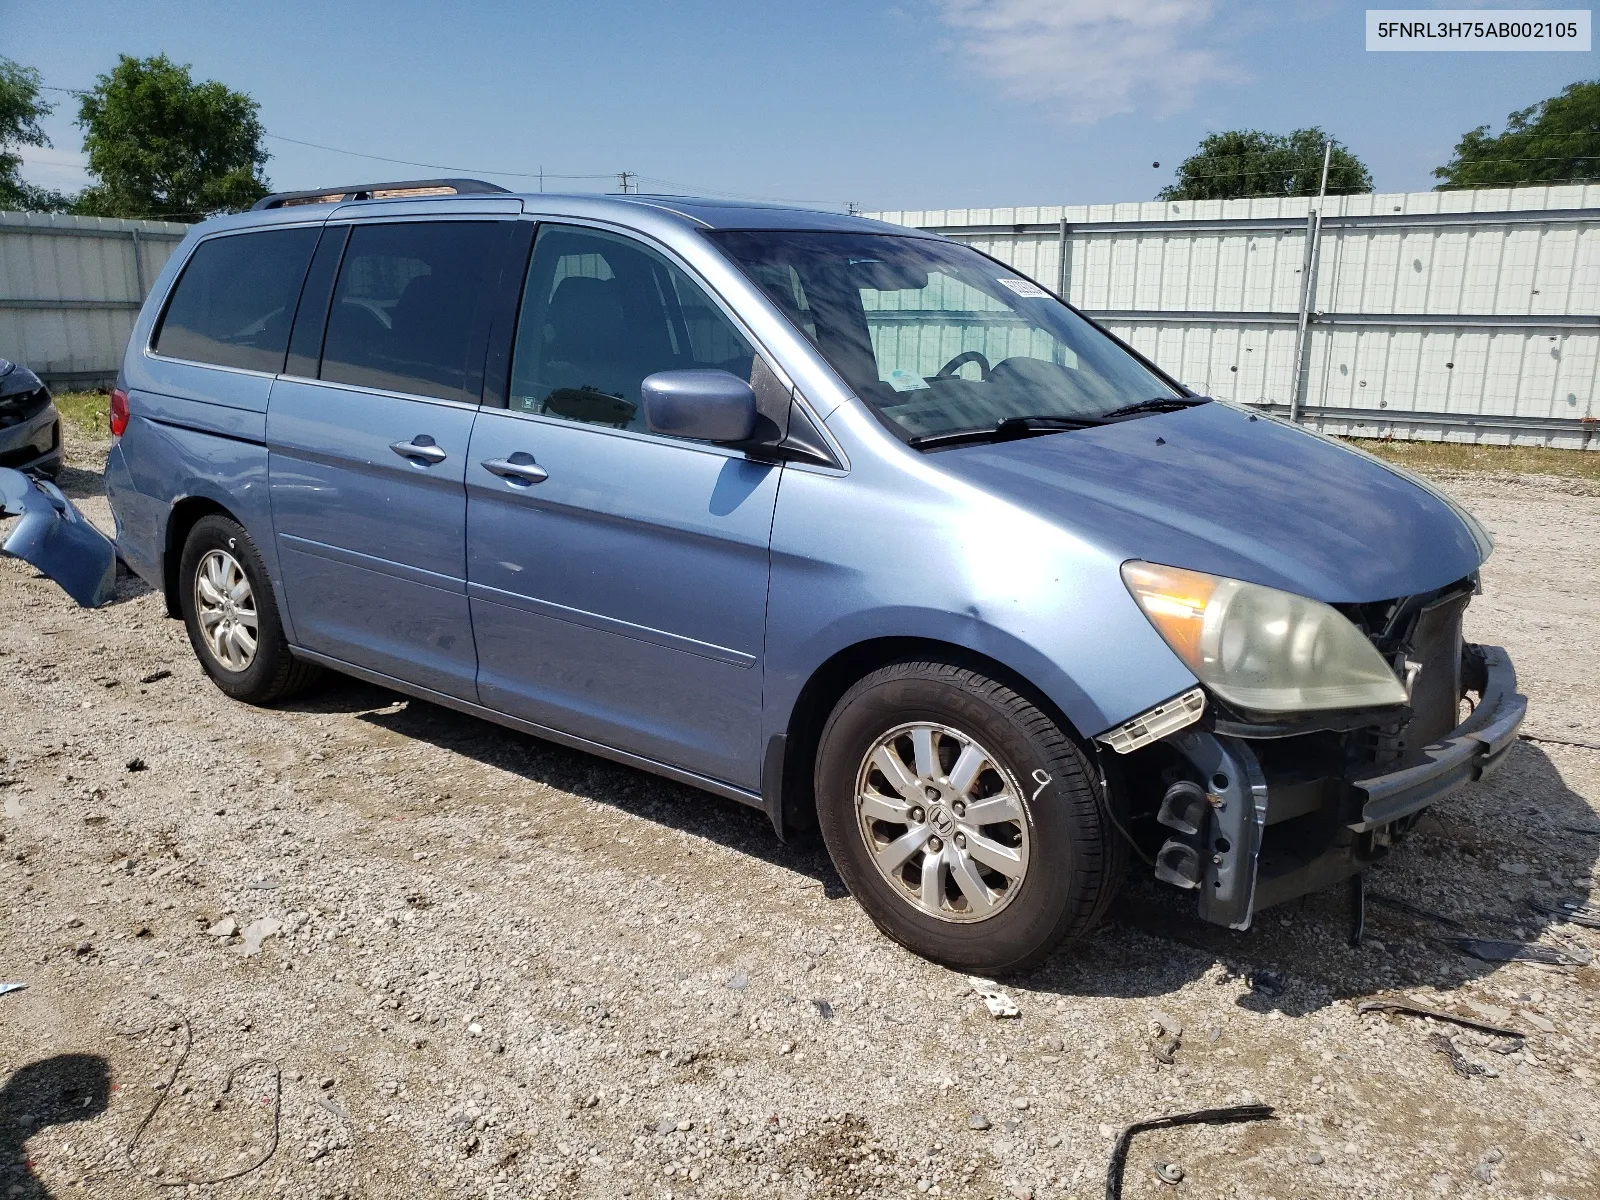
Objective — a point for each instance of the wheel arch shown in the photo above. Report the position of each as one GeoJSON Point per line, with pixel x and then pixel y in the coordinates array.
{"type": "Point", "coordinates": [182, 518]}
{"type": "Point", "coordinates": [788, 786]}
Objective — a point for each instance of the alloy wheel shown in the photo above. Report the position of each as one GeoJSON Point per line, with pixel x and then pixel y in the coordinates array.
{"type": "Point", "coordinates": [943, 821]}
{"type": "Point", "coordinates": [226, 609]}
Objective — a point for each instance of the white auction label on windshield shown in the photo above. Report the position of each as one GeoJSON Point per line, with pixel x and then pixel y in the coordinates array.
{"type": "Point", "coordinates": [1023, 288]}
{"type": "Point", "coordinates": [1536, 29]}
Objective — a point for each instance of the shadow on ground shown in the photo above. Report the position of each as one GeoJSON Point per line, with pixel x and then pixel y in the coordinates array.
{"type": "Point", "coordinates": [51, 1091]}
{"type": "Point", "coordinates": [1298, 954]}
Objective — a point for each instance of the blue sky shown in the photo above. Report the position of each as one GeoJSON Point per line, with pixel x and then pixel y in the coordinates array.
{"type": "Point", "coordinates": [907, 104]}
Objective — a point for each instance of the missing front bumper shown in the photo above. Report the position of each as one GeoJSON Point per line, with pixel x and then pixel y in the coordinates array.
{"type": "Point", "coordinates": [1275, 833]}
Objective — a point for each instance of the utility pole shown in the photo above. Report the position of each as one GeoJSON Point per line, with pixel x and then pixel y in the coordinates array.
{"type": "Point", "coordinates": [850, 208]}
{"type": "Point", "coordinates": [623, 177]}
{"type": "Point", "coordinates": [1308, 293]}
{"type": "Point", "coordinates": [541, 177]}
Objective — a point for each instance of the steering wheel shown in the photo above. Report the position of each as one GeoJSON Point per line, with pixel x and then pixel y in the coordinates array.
{"type": "Point", "coordinates": [961, 360]}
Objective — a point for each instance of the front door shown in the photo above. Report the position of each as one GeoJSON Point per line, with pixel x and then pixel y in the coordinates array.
{"type": "Point", "coordinates": [618, 579]}
{"type": "Point", "coordinates": [367, 459]}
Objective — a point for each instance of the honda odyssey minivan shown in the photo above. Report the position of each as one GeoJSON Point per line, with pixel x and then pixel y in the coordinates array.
{"type": "Point", "coordinates": [842, 520]}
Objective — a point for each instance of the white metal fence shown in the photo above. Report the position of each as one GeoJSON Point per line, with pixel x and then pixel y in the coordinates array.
{"type": "Point", "coordinates": [1470, 315]}
{"type": "Point", "coordinates": [70, 288]}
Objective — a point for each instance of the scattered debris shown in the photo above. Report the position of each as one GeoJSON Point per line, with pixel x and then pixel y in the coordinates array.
{"type": "Point", "coordinates": [1166, 1035]}
{"type": "Point", "coordinates": [1581, 829]}
{"type": "Point", "coordinates": [1415, 910]}
{"type": "Point", "coordinates": [1358, 909]}
{"type": "Point", "coordinates": [257, 932]}
{"type": "Point", "coordinates": [136, 764]}
{"type": "Point", "coordinates": [738, 981]}
{"type": "Point", "coordinates": [1458, 1061]}
{"type": "Point", "coordinates": [1550, 741]}
{"type": "Point", "coordinates": [1486, 1165]}
{"type": "Point", "coordinates": [1168, 1172]}
{"type": "Point", "coordinates": [165, 1090]}
{"type": "Point", "coordinates": [262, 885]}
{"type": "Point", "coordinates": [1497, 950]}
{"type": "Point", "coordinates": [1206, 1116]}
{"type": "Point", "coordinates": [977, 1121]}
{"type": "Point", "coordinates": [157, 676]}
{"type": "Point", "coordinates": [224, 928]}
{"type": "Point", "coordinates": [1268, 983]}
{"type": "Point", "coordinates": [8, 988]}
{"type": "Point", "coordinates": [1000, 1005]}
{"type": "Point", "coordinates": [1417, 1010]}
{"type": "Point", "coordinates": [1577, 914]}
{"type": "Point", "coordinates": [824, 1009]}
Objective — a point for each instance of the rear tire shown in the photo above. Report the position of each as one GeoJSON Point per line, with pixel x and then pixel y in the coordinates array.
{"type": "Point", "coordinates": [232, 617]}
{"type": "Point", "coordinates": [1014, 855]}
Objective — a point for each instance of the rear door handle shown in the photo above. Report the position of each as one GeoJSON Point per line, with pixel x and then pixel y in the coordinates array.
{"type": "Point", "coordinates": [519, 470]}
{"type": "Point", "coordinates": [421, 448]}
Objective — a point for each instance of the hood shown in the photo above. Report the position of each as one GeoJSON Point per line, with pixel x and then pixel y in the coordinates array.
{"type": "Point", "coordinates": [15, 380]}
{"type": "Point", "coordinates": [1217, 489]}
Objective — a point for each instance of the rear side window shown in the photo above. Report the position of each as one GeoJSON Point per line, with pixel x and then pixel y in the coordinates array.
{"type": "Point", "coordinates": [235, 301]}
{"type": "Point", "coordinates": [406, 309]}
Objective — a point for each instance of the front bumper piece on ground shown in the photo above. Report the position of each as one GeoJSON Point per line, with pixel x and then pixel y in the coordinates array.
{"type": "Point", "coordinates": [54, 537]}
{"type": "Point", "coordinates": [1323, 830]}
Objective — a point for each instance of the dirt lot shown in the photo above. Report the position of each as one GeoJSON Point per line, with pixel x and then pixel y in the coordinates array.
{"type": "Point", "coordinates": [506, 969]}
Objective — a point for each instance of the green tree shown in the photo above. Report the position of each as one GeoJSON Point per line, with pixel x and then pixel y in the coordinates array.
{"type": "Point", "coordinates": [1238, 163]}
{"type": "Point", "coordinates": [161, 145]}
{"type": "Point", "coordinates": [21, 110]}
{"type": "Point", "coordinates": [1554, 141]}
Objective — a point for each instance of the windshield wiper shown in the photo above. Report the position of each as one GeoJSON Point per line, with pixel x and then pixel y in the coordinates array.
{"type": "Point", "coordinates": [1008, 430]}
{"type": "Point", "coordinates": [1158, 404]}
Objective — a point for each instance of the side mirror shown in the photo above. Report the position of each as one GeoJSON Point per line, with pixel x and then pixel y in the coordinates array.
{"type": "Point", "coordinates": [713, 406]}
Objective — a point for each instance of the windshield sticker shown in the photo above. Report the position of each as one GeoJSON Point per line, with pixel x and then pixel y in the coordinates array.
{"type": "Point", "coordinates": [902, 380]}
{"type": "Point", "coordinates": [1022, 287]}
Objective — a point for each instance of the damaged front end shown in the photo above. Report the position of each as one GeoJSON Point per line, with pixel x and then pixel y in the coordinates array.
{"type": "Point", "coordinates": [56, 539]}
{"type": "Point", "coordinates": [1250, 810]}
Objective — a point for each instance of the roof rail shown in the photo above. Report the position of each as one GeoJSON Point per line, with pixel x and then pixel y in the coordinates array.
{"type": "Point", "coordinates": [379, 191]}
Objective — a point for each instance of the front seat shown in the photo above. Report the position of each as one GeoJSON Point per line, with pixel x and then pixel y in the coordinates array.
{"type": "Point", "coordinates": [584, 369]}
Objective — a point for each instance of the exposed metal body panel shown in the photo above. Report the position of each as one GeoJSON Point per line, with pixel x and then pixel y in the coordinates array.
{"type": "Point", "coordinates": [1472, 316]}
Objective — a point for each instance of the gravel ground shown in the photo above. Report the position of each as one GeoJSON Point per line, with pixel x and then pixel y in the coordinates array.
{"type": "Point", "coordinates": [494, 967]}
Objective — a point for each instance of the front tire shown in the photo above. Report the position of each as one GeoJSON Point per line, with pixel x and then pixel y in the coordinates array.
{"type": "Point", "coordinates": [963, 819]}
{"type": "Point", "coordinates": [232, 618]}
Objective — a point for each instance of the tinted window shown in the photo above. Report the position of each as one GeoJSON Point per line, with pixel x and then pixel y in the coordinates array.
{"type": "Point", "coordinates": [601, 312]}
{"type": "Point", "coordinates": [235, 300]}
{"type": "Point", "coordinates": [406, 309]}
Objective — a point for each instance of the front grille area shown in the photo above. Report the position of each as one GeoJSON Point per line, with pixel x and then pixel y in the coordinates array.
{"type": "Point", "coordinates": [1420, 637]}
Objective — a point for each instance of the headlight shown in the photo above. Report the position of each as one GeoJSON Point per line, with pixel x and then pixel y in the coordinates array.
{"type": "Point", "coordinates": [1259, 648]}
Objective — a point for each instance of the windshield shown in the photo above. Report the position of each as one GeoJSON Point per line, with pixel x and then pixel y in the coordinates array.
{"type": "Point", "coordinates": [938, 338]}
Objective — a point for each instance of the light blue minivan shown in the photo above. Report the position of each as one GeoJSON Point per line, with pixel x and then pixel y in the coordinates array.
{"type": "Point", "coordinates": [842, 520]}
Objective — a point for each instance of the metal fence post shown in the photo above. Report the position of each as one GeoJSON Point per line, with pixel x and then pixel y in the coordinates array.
{"type": "Point", "coordinates": [1064, 263]}
{"type": "Point", "coordinates": [138, 265]}
{"type": "Point", "coordinates": [1302, 339]}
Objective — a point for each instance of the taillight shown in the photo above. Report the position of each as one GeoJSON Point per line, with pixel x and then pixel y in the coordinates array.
{"type": "Point", "coordinates": [119, 412]}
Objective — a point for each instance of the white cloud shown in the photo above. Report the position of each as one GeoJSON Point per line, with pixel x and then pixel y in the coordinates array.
{"type": "Point", "coordinates": [64, 170]}
{"type": "Point", "coordinates": [1090, 59]}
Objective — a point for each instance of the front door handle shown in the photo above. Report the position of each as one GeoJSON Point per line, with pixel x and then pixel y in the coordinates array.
{"type": "Point", "coordinates": [421, 448]}
{"type": "Point", "coordinates": [519, 470]}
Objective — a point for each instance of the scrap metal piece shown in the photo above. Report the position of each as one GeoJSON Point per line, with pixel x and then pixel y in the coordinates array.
{"type": "Point", "coordinates": [999, 1004]}
{"type": "Point", "coordinates": [1415, 910]}
{"type": "Point", "coordinates": [1577, 914]}
{"type": "Point", "coordinates": [1459, 1063]}
{"type": "Point", "coordinates": [1206, 1116]}
{"type": "Point", "coordinates": [1358, 909]}
{"type": "Point", "coordinates": [57, 540]}
{"type": "Point", "coordinates": [1417, 1010]}
{"type": "Point", "coordinates": [1498, 950]}
{"type": "Point", "coordinates": [7, 988]}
